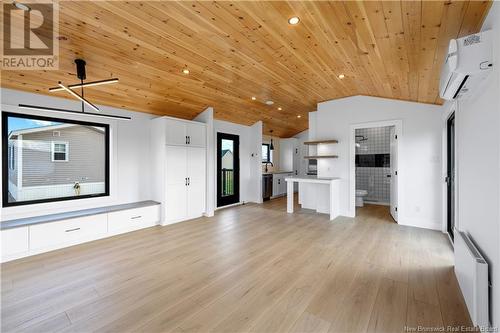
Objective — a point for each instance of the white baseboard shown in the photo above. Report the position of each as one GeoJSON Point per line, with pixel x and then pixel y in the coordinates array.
{"type": "Point", "coordinates": [420, 223]}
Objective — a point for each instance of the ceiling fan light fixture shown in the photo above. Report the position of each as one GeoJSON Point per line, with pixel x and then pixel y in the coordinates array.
{"type": "Point", "coordinates": [74, 94]}
{"type": "Point", "coordinates": [86, 84]}
{"type": "Point", "coordinates": [294, 20]}
{"type": "Point", "coordinates": [43, 108]}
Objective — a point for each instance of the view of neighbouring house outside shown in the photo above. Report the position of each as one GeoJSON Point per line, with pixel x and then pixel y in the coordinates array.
{"type": "Point", "coordinates": [48, 160]}
{"type": "Point", "coordinates": [227, 168]}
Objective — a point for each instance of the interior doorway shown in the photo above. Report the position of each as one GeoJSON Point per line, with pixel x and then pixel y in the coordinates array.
{"type": "Point", "coordinates": [450, 175]}
{"type": "Point", "coordinates": [228, 169]}
{"type": "Point", "coordinates": [374, 161]}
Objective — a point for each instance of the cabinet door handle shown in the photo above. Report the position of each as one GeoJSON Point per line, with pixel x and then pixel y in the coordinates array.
{"type": "Point", "coordinates": [136, 217]}
{"type": "Point", "coordinates": [185, 181]}
{"type": "Point", "coordinates": [70, 230]}
{"type": "Point", "coordinates": [189, 139]}
{"type": "Point", "coordinates": [189, 181]}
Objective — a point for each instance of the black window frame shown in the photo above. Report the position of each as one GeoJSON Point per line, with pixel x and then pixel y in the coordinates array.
{"type": "Point", "coordinates": [5, 153]}
{"type": "Point", "coordinates": [268, 153]}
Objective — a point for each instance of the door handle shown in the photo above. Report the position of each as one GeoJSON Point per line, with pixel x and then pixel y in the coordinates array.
{"type": "Point", "coordinates": [70, 230]}
{"type": "Point", "coordinates": [135, 217]}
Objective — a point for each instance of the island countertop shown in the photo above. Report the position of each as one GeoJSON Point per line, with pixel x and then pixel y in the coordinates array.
{"type": "Point", "coordinates": [311, 179]}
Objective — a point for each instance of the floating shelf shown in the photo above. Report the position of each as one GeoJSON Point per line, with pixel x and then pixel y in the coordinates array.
{"type": "Point", "coordinates": [318, 142]}
{"type": "Point", "coordinates": [321, 156]}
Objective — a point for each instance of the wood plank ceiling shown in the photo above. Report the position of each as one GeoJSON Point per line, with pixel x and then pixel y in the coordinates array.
{"type": "Point", "coordinates": [238, 49]}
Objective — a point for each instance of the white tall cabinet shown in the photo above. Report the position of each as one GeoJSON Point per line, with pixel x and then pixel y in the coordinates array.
{"type": "Point", "coordinates": [179, 168]}
{"type": "Point", "coordinates": [289, 155]}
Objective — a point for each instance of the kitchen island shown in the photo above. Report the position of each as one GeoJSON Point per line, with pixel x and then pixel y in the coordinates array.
{"type": "Point", "coordinates": [319, 194]}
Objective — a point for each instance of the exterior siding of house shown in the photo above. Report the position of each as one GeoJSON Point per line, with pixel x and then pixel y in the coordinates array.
{"type": "Point", "coordinates": [85, 157]}
{"type": "Point", "coordinates": [227, 160]}
{"type": "Point", "coordinates": [13, 172]}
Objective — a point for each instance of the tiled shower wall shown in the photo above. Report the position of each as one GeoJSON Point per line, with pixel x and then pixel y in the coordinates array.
{"type": "Point", "coordinates": [374, 179]}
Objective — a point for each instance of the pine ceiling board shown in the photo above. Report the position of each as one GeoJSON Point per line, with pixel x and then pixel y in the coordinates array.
{"type": "Point", "coordinates": [361, 32]}
{"type": "Point", "coordinates": [411, 12]}
{"type": "Point", "coordinates": [239, 49]}
{"type": "Point", "coordinates": [474, 17]}
{"type": "Point", "coordinates": [429, 33]}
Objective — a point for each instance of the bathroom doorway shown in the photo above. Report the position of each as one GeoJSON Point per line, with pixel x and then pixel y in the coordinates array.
{"type": "Point", "coordinates": [374, 166]}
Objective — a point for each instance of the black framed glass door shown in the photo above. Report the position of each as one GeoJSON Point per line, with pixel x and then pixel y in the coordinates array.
{"type": "Point", "coordinates": [450, 176]}
{"type": "Point", "coordinates": [228, 169]}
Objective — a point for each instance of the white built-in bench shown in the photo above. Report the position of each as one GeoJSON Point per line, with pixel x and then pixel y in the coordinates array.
{"type": "Point", "coordinates": [32, 235]}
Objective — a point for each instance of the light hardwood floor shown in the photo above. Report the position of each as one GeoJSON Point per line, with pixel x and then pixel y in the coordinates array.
{"type": "Point", "coordinates": [251, 268]}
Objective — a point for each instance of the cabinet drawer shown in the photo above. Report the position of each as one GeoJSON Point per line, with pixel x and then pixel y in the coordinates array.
{"type": "Point", "coordinates": [67, 232]}
{"type": "Point", "coordinates": [14, 241]}
{"type": "Point", "coordinates": [133, 219]}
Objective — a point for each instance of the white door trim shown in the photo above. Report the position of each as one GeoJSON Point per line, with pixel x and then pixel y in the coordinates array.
{"type": "Point", "coordinates": [398, 124]}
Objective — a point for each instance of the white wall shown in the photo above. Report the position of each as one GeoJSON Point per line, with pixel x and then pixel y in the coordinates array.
{"type": "Point", "coordinates": [255, 190]}
{"type": "Point", "coordinates": [130, 154]}
{"type": "Point", "coordinates": [250, 143]}
{"type": "Point", "coordinates": [420, 145]}
{"type": "Point", "coordinates": [207, 117]}
{"type": "Point", "coordinates": [477, 121]}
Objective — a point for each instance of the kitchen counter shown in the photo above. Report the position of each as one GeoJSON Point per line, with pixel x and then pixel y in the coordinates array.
{"type": "Point", "coordinates": [319, 194]}
{"type": "Point", "coordinates": [312, 179]}
{"type": "Point", "coordinates": [276, 172]}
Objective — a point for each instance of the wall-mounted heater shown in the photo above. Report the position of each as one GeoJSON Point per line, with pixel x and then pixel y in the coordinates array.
{"type": "Point", "coordinates": [472, 273]}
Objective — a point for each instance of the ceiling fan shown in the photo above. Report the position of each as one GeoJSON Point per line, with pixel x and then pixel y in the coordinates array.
{"type": "Point", "coordinates": [81, 74]}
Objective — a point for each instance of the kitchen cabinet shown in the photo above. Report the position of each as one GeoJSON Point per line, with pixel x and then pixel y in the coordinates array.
{"type": "Point", "coordinates": [279, 183]}
{"type": "Point", "coordinates": [179, 167]}
{"type": "Point", "coordinates": [185, 183]}
{"type": "Point", "coordinates": [180, 132]}
{"type": "Point", "coordinates": [289, 155]}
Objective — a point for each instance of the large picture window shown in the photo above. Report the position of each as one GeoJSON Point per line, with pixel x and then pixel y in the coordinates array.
{"type": "Point", "coordinates": [37, 166]}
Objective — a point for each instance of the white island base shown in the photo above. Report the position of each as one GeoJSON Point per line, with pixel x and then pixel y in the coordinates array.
{"type": "Point", "coordinates": [319, 194]}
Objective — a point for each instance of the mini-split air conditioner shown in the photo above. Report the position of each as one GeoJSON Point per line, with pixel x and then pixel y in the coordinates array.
{"type": "Point", "coordinates": [469, 60]}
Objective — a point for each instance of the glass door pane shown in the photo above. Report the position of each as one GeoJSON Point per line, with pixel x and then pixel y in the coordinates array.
{"type": "Point", "coordinates": [227, 169]}
{"type": "Point", "coordinates": [227, 159]}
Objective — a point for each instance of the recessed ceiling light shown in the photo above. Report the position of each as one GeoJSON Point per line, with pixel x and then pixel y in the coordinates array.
{"type": "Point", "coordinates": [299, 116]}
{"type": "Point", "coordinates": [185, 71]}
{"type": "Point", "coordinates": [341, 76]}
{"type": "Point", "coordinates": [269, 102]}
{"type": "Point", "coordinates": [21, 6]}
{"type": "Point", "coordinates": [294, 20]}
{"type": "Point", "coordinates": [254, 98]}
{"type": "Point", "coordinates": [279, 109]}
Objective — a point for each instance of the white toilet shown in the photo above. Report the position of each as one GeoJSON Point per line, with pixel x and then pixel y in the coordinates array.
{"type": "Point", "coordinates": [360, 194]}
